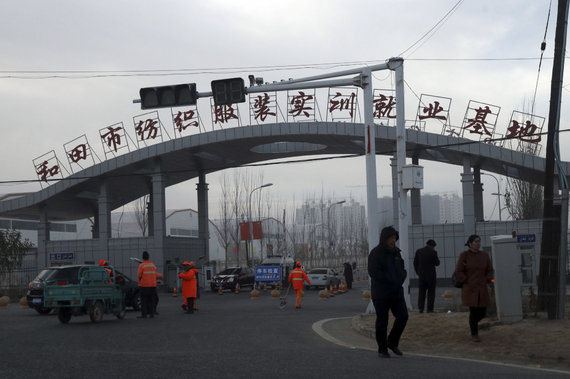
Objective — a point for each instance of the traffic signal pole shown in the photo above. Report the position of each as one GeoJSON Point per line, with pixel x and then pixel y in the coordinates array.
{"type": "Point", "coordinates": [363, 79]}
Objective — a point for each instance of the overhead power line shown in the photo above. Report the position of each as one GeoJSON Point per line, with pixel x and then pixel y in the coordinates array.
{"type": "Point", "coordinates": [95, 74]}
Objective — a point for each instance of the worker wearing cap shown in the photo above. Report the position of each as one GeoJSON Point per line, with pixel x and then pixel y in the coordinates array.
{"type": "Point", "coordinates": [297, 277]}
{"type": "Point", "coordinates": [425, 261]}
{"type": "Point", "coordinates": [189, 285]}
{"type": "Point", "coordinates": [104, 263]}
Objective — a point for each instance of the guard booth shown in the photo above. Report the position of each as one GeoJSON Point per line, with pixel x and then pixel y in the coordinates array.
{"type": "Point", "coordinates": [513, 261]}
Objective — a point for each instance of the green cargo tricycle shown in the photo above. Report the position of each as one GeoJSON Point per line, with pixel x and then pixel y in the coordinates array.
{"type": "Point", "coordinates": [94, 292]}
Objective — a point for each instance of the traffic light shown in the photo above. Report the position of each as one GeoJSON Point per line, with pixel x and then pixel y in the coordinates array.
{"type": "Point", "coordinates": [168, 96]}
{"type": "Point", "coordinates": [228, 91]}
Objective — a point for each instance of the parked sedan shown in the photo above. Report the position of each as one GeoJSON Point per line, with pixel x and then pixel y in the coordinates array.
{"type": "Point", "coordinates": [322, 277]}
{"type": "Point", "coordinates": [229, 277]}
{"type": "Point", "coordinates": [69, 275]}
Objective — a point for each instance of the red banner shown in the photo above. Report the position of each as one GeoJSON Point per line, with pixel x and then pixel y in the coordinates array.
{"type": "Point", "coordinates": [244, 231]}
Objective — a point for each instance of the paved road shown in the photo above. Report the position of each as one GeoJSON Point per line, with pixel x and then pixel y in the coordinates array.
{"type": "Point", "coordinates": [230, 336]}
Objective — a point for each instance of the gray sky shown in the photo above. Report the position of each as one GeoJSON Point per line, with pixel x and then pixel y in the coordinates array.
{"type": "Point", "coordinates": [70, 68]}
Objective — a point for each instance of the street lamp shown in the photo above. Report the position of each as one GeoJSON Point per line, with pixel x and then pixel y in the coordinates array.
{"type": "Point", "coordinates": [250, 222]}
{"type": "Point", "coordinates": [498, 193]}
{"type": "Point", "coordinates": [329, 218]}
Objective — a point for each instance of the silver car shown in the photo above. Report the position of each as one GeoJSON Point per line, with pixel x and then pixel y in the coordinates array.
{"type": "Point", "coordinates": [323, 277]}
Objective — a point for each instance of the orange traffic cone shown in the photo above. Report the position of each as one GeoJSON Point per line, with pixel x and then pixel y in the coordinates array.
{"type": "Point", "coordinates": [336, 289]}
{"type": "Point", "coordinates": [221, 290]}
{"type": "Point", "coordinates": [237, 288]}
{"type": "Point", "coordinates": [174, 293]}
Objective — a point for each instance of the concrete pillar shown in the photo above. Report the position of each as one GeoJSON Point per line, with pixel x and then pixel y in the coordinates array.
{"type": "Point", "coordinates": [43, 236]}
{"type": "Point", "coordinates": [203, 227]}
{"type": "Point", "coordinates": [103, 221]}
{"type": "Point", "coordinates": [158, 216]}
{"type": "Point", "coordinates": [468, 199]}
{"type": "Point", "coordinates": [395, 191]}
{"type": "Point", "coordinates": [416, 201]}
{"type": "Point", "coordinates": [478, 195]}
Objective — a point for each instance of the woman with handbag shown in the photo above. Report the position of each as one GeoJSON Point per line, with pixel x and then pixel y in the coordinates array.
{"type": "Point", "coordinates": [475, 271]}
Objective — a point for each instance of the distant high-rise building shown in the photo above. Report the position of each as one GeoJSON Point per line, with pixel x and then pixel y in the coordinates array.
{"type": "Point", "coordinates": [431, 212]}
{"type": "Point", "coordinates": [451, 208]}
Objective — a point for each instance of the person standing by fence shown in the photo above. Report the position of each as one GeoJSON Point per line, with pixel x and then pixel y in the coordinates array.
{"type": "Point", "coordinates": [425, 261]}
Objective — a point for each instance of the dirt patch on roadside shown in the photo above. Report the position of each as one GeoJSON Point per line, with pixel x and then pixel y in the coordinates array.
{"type": "Point", "coordinates": [534, 341]}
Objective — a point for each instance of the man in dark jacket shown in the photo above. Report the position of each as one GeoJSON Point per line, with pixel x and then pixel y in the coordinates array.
{"type": "Point", "coordinates": [387, 272]}
{"type": "Point", "coordinates": [424, 264]}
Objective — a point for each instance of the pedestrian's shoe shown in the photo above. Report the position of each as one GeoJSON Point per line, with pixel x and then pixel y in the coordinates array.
{"type": "Point", "coordinates": [156, 313]}
{"type": "Point", "coordinates": [395, 350]}
{"type": "Point", "coordinates": [299, 307]}
{"type": "Point", "coordinates": [475, 338]}
{"type": "Point", "coordinates": [383, 354]}
{"type": "Point", "coordinates": [184, 307]}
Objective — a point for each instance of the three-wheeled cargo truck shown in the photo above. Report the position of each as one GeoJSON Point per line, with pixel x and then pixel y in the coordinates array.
{"type": "Point", "coordinates": [94, 292]}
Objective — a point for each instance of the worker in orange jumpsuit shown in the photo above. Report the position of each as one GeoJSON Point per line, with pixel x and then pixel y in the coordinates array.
{"type": "Point", "coordinates": [104, 263]}
{"type": "Point", "coordinates": [298, 277]}
{"type": "Point", "coordinates": [147, 275]}
{"type": "Point", "coordinates": [189, 286]}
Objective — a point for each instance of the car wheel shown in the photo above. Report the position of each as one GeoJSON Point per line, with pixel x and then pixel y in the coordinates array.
{"type": "Point", "coordinates": [43, 311]}
{"type": "Point", "coordinates": [122, 313]}
{"type": "Point", "coordinates": [136, 301]}
{"type": "Point", "coordinates": [64, 315]}
{"type": "Point", "coordinates": [96, 312]}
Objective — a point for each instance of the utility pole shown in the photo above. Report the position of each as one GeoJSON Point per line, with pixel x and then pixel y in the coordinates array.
{"type": "Point", "coordinates": [549, 286]}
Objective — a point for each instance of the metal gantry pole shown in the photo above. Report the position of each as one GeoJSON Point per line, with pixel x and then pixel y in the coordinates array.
{"type": "Point", "coordinates": [398, 66]}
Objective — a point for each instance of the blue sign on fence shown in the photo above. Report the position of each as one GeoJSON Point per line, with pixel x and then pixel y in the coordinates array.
{"type": "Point", "coordinates": [267, 273]}
{"type": "Point", "coordinates": [61, 256]}
{"type": "Point", "coordinates": [526, 238]}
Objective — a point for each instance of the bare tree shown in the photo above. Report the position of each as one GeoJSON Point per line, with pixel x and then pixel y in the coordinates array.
{"type": "Point", "coordinates": [141, 213]}
{"type": "Point", "coordinates": [523, 199]}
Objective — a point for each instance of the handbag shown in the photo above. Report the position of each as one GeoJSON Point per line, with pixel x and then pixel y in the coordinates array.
{"type": "Point", "coordinates": [455, 281]}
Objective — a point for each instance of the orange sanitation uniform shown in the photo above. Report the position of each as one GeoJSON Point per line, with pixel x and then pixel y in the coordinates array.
{"type": "Point", "coordinates": [297, 277]}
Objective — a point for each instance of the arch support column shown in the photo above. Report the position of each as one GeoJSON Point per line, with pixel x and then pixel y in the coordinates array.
{"type": "Point", "coordinates": [203, 230]}
{"type": "Point", "coordinates": [478, 195]}
{"type": "Point", "coordinates": [416, 201]}
{"type": "Point", "coordinates": [157, 211]}
{"type": "Point", "coordinates": [43, 236]}
{"type": "Point", "coordinates": [468, 199]}
{"type": "Point", "coordinates": [103, 221]}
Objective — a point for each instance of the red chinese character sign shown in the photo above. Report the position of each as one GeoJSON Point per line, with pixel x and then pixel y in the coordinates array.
{"type": "Point", "coordinates": [148, 129]}
{"type": "Point", "coordinates": [480, 120]}
{"type": "Point", "coordinates": [263, 108]}
{"type": "Point", "coordinates": [301, 105]}
{"type": "Point", "coordinates": [47, 168]}
{"type": "Point", "coordinates": [434, 111]}
{"type": "Point", "coordinates": [114, 139]}
{"type": "Point", "coordinates": [524, 131]}
{"type": "Point", "coordinates": [384, 102]}
{"type": "Point", "coordinates": [342, 104]}
{"type": "Point", "coordinates": [79, 154]}
{"type": "Point", "coordinates": [225, 116]}
{"type": "Point", "coordinates": [185, 121]}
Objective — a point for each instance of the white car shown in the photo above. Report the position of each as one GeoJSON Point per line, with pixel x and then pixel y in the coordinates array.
{"type": "Point", "coordinates": [323, 277]}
